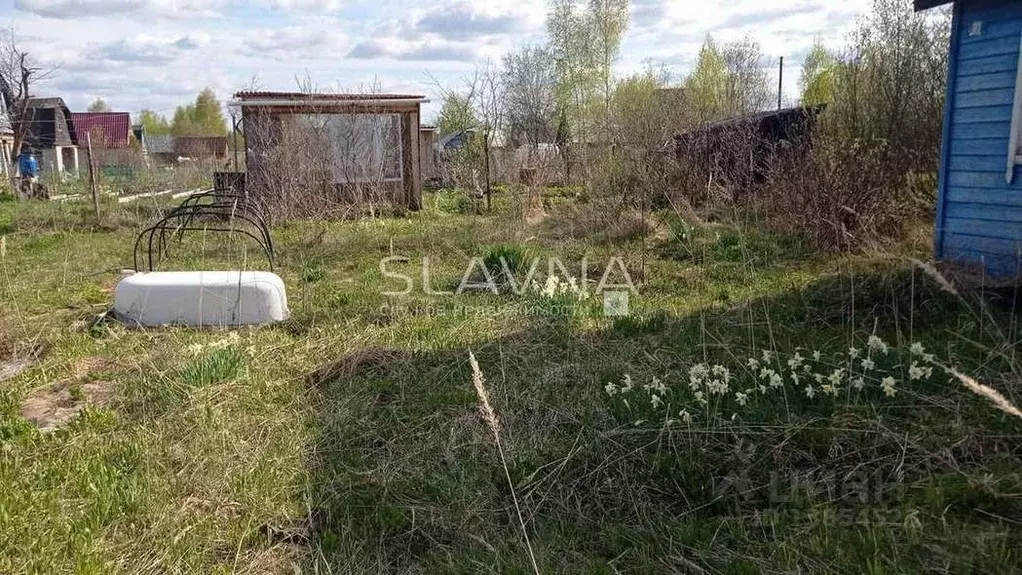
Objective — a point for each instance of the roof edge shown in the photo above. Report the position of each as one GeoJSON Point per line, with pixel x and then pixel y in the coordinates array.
{"type": "Point", "coordinates": [927, 4]}
{"type": "Point", "coordinates": [247, 97]}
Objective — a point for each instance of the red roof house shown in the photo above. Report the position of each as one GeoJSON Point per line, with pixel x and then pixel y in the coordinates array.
{"type": "Point", "coordinates": [107, 129]}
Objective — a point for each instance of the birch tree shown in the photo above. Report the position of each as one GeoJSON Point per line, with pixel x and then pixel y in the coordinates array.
{"type": "Point", "coordinates": [609, 21]}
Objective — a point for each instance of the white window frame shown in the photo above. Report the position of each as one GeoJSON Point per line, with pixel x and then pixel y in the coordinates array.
{"type": "Point", "coordinates": [1014, 155]}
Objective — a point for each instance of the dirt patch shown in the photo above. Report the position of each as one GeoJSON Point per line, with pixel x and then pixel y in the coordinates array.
{"type": "Point", "coordinates": [86, 365]}
{"type": "Point", "coordinates": [11, 368]}
{"type": "Point", "coordinates": [59, 404]}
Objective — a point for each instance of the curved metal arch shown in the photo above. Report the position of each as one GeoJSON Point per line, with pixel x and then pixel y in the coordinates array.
{"type": "Point", "coordinates": [162, 226]}
{"type": "Point", "coordinates": [224, 204]}
{"type": "Point", "coordinates": [152, 231]}
{"type": "Point", "coordinates": [240, 200]}
{"type": "Point", "coordinates": [226, 209]}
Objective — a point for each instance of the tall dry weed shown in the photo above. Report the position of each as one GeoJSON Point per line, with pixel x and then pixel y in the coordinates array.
{"type": "Point", "coordinates": [493, 423]}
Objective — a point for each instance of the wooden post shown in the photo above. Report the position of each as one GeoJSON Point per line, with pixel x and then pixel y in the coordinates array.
{"type": "Point", "coordinates": [234, 128]}
{"type": "Point", "coordinates": [92, 177]}
{"type": "Point", "coordinates": [486, 166]}
{"type": "Point", "coordinates": [780, 84]}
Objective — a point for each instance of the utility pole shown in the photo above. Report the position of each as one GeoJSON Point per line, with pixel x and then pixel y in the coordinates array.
{"type": "Point", "coordinates": [780, 84]}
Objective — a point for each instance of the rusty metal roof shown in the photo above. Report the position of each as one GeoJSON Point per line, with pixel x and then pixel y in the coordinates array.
{"type": "Point", "coordinates": [253, 95]}
{"type": "Point", "coordinates": [108, 129]}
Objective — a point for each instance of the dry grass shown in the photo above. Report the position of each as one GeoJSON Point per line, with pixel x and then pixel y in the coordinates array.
{"type": "Point", "coordinates": [995, 397]}
{"type": "Point", "coordinates": [225, 456]}
{"type": "Point", "coordinates": [493, 422]}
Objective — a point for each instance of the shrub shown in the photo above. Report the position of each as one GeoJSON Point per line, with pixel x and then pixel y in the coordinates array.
{"type": "Point", "coordinates": [220, 364]}
{"type": "Point", "coordinates": [502, 260]}
{"type": "Point", "coordinates": [866, 166]}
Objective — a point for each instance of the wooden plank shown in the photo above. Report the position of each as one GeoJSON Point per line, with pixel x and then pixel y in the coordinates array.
{"type": "Point", "coordinates": [980, 130]}
{"type": "Point", "coordinates": [995, 26]}
{"type": "Point", "coordinates": [947, 127]}
{"type": "Point", "coordinates": [993, 230]}
{"type": "Point", "coordinates": [415, 134]}
{"type": "Point", "coordinates": [408, 170]}
{"type": "Point", "coordinates": [954, 242]}
{"type": "Point", "coordinates": [979, 179]}
{"type": "Point", "coordinates": [997, 265]}
{"type": "Point", "coordinates": [986, 196]}
{"type": "Point", "coordinates": [979, 146]}
{"type": "Point", "coordinates": [988, 65]}
{"type": "Point", "coordinates": [988, 47]}
{"type": "Point", "coordinates": [999, 97]}
{"type": "Point", "coordinates": [982, 82]}
{"type": "Point", "coordinates": [984, 114]}
{"type": "Point", "coordinates": [986, 212]}
{"type": "Point", "coordinates": [985, 163]}
{"type": "Point", "coordinates": [129, 199]}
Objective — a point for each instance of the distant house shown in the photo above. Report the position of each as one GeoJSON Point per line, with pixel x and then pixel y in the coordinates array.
{"type": "Point", "coordinates": [159, 148]}
{"type": "Point", "coordinates": [201, 147]}
{"type": "Point", "coordinates": [50, 132]}
{"type": "Point", "coordinates": [455, 141]}
{"type": "Point", "coordinates": [359, 143]}
{"type": "Point", "coordinates": [743, 149]}
{"type": "Point", "coordinates": [106, 130]}
{"type": "Point", "coordinates": [108, 134]}
{"type": "Point", "coordinates": [979, 204]}
{"type": "Point", "coordinates": [6, 134]}
{"type": "Point", "coordinates": [168, 150]}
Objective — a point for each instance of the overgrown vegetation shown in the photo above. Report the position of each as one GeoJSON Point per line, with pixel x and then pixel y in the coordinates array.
{"type": "Point", "coordinates": [349, 438]}
{"type": "Point", "coordinates": [846, 173]}
{"type": "Point", "coordinates": [741, 401]}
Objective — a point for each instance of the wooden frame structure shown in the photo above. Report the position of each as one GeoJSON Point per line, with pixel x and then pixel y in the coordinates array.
{"type": "Point", "coordinates": [263, 112]}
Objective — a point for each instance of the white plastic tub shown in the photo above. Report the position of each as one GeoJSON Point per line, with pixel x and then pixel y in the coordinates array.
{"type": "Point", "coordinates": [213, 298]}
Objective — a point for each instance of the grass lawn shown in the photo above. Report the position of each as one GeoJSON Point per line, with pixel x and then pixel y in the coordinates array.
{"type": "Point", "coordinates": [349, 438]}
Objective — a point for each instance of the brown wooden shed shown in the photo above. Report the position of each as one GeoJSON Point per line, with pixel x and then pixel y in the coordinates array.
{"type": "Point", "coordinates": [363, 138]}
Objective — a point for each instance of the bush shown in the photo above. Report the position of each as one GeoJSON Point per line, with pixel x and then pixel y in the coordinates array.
{"type": "Point", "coordinates": [506, 263]}
{"type": "Point", "coordinates": [852, 178]}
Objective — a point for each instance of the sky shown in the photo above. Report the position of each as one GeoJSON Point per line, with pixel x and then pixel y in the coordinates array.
{"type": "Point", "coordinates": [158, 54]}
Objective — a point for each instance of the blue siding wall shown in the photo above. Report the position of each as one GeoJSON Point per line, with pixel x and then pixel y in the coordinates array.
{"type": "Point", "coordinates": [980, 215]}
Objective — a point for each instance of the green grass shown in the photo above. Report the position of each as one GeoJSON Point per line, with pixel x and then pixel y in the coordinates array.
{"type": "Point", "coordinates": [348, 439]}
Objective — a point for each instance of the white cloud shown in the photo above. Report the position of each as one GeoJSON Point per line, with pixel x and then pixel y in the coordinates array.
{"type": "Point", "coordinates": [159, 53]}
{"type": "Point", "coordinates": [66, 9]}
{"type": "Point", "coordinates": [422, 51]}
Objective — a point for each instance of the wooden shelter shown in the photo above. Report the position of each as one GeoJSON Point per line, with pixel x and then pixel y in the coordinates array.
{"type": "Point", "coordinates": [363, 139]}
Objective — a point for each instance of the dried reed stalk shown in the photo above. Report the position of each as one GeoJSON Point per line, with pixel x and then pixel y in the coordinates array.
{"type": "Point", "coordinates": [995, 397]}
{"type": "Point", "coordinates": [493, 422]}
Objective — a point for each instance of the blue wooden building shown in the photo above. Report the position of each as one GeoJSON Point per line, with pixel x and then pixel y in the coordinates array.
{"type": "Point", "coordinates": [979, 211]}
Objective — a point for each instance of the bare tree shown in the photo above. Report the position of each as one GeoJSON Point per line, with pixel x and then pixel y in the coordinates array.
{"type": "Point", "coordinates": [19, 72]}
{"type": "Point", "coordinates": [483, 93]}
{"type": "Point", "coordinates": [489, 105]}
{"type": "Point", "coordinates": [530, 87]}
{"type": "Point", "coordinates": [746, 84]}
